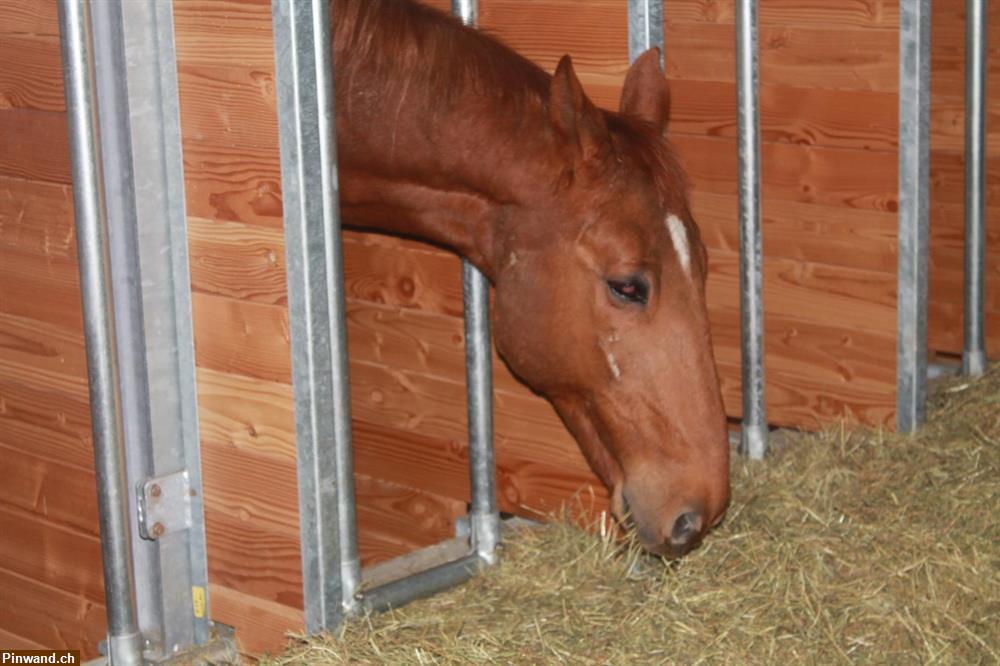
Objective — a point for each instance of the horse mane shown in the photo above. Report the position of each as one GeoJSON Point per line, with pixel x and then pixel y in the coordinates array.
{"type": "Point", "coordinates": [409, 47]}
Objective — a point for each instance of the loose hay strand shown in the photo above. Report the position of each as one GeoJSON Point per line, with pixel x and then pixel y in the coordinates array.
{"type": "Point", "coordinates": [849, 546]}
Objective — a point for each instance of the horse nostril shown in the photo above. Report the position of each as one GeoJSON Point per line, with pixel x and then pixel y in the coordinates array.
{"type": "Point", "coordinates": [686, 528]}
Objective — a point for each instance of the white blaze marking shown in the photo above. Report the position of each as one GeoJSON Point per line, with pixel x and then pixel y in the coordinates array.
{"type": "Point", "coordinates": [678, 234]}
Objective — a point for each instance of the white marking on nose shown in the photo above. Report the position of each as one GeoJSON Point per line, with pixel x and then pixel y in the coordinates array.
{"type": "Point", "coordinates": [511, 260]}
{"type": "Point", "coordinates": [678, 235]}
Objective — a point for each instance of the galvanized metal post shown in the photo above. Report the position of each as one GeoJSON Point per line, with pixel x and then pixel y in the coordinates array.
{"type": "Point", "coordinates": [914, 158]}
{"type": "Point", "coordinates": [645, 27]}
{"type": "Point", "coordinates": [112, 90]}
{"type": "Point", "coordinates": [137, 82]}
{"type": "Point", "coordinates": [330, 564]}
{"type": "Point", "coordinates": [124, 640]}
{"type": "Point", "coordinates": [484, 516]}
{"type": "Point", "coordinates": [753, 439]}
{"type": "Point", "coordinates": [974, 351]}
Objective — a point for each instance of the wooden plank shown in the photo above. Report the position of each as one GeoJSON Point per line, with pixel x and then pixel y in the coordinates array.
{"type": "Point", "coordinates": [34, 145]}
{"type": "Point", "coordinates": [236, 185]}
{"type": "Point", "coordinates": [261, 625]}
{"type": "Point", "coordinates": [795, 173]}
{"type": "Point", "coordinates": [65, 559]}
{"type": "Point", "coordinates": [210, 31]}
{"type": "Point", "coordinates": [47, 421]}
{"type": "Point", "coordinates": [31, 73]}
{"type": "Point", "coordinates": [233, 106]}
{"type": "Point", "coordinates": [258, 555]}
{"type": "Point", "coordinates": [791, 54]}
{"type": "Point", "coordinates": [50, 617]}
{"type": "Point", "coordinates": [36, 218]}
{"type": "Point", "coordinates": [42, 346]}
{"type": "Point", "coordinates": [815, 13]}
{"type": "Point", "coordinates": [56, 493]}
{"type": "Point", "coordinates": [13, 642]}
{"type": "Point", "coordinates": [845, 14]}
{"type": "Point", "coordinates": [254, 416]}
{"type": "Point", "coordinates": [43, 289]}
{"type": "Point", "coordinates": [947, 170]}
{"type": "Point", "coordinates": [814, 374]}
{"type": "Point", "coordinates": [806, 232]}
{"type": "Point", "coordinates": [27, 17]}
{"type": "Point", "coordinates": [255, 561]}
{"type": "Point", "coordinates": [863, 300]}
{"type": "Point", "coordinates": [853, 119]}
{"type": "Point", "coordinates": [240, 184]}
{"type": "Point", "coordinates": [228, 104]}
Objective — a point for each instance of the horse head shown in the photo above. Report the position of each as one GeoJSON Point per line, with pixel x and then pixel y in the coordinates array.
{"type": "Point", "coordinates": [600, 307]}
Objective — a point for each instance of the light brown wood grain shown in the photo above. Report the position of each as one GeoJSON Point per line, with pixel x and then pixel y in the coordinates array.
{"type": "Point", "coordinates": [30, 73]}
{"type": "Point", "coordinates": [34, 145]}
{"type": "Point", "coordinates": [41, 289]}
{"type": "Point", "coordinates": [213, 96]}
{"type": "Point", "coordinates": [257, 553]}
{"type": "Point", "coordinates": [207, 31]}
{"type": "Point", "coordinates": [36, 218]}
{"type": "Point", "coordinates": [49, 616]}
{"type": "Point", "coordinates": [14, 642]}
{"type": "Point", "coordinates": [254, 416]}
{"type": "Point", "coordinates": [36, 418]}
{"type": "Point", "coordinates": [22, 17]}
{"type": "Point", "coordinates": [60, 495]}
{"type": "Point", "coordinates": [263, 625]}
{"type": "Point", "coordinates": [65, 559]}
{"type": "Point", "coordinates": [42, 346]}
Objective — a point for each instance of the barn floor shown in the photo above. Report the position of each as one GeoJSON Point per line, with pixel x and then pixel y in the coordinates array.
{"type": "Point", "coordinates": [848, 546]}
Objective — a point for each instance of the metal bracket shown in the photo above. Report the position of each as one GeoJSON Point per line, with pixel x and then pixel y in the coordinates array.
{"type": "Point", "coordinates": [164, 505]}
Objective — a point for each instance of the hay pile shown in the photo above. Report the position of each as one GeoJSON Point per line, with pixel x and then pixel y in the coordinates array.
{"type": "Point", "coordinates": [854, 547]}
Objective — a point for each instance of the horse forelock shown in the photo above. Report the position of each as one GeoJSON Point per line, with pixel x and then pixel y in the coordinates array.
{"type": "Point", "coordinates": [651, 152]}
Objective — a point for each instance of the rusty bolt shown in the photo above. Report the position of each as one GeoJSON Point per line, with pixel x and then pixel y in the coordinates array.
{"type": "Point", "coordinates": [158, 529]}
{"type": "Point", "coordinates": [155, 490]}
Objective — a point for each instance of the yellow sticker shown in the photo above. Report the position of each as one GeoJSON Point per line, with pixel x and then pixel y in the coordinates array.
{"type": "Point", "coordinates": [198, 600]}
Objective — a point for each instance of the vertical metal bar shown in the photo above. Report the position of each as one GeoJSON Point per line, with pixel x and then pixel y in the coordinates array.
{"type": "Point", "coordinates": [914, 156]}
{"type": "Point", "coordinates": [753, 438]}
{"type": "Point", "coordinates": [330, 564]}
{"type": "Point", "coordinates": [645, 27]}
{"type": "Point", "coordinates": [149, 227]}
{"type": "Point", "coordinates": [484, 516]}
{"type": "Point", "coordinates": [974, 351]}
{"type": "Point", "coordinates": [124, 640]}
{"type": "Point", "coordinates": [112, 90]}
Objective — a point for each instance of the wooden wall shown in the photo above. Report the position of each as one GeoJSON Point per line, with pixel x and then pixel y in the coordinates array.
{"type": "Point", "coordinates": [828, 98]}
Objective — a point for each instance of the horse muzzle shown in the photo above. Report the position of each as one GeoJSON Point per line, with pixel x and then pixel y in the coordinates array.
{"type": "Point", "coordinates": [677, 537]}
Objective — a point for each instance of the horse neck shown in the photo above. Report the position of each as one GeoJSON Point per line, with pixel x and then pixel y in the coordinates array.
{"type": "Point", "coordinates": [427, 149]}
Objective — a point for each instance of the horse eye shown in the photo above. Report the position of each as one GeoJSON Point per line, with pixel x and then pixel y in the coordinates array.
{"type": "Point", "coordinates": [631, 289]}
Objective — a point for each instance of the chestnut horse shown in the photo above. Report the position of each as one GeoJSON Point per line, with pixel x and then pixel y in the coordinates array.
{"type": "Point", "coordinates": [580, 220]}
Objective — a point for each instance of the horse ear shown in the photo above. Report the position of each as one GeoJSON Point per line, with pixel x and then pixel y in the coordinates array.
{"type": "Point", "coordinates": [576, 119]}
{"type": "Point", "coordinates": [646, 94]}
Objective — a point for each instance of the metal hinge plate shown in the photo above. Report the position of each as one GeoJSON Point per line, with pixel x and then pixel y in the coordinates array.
{"type": "Point", "coordinates": [164, 505]}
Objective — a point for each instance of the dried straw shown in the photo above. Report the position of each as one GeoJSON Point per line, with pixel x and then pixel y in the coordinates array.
{"type": "Point", "coordinates": [847, 546]}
